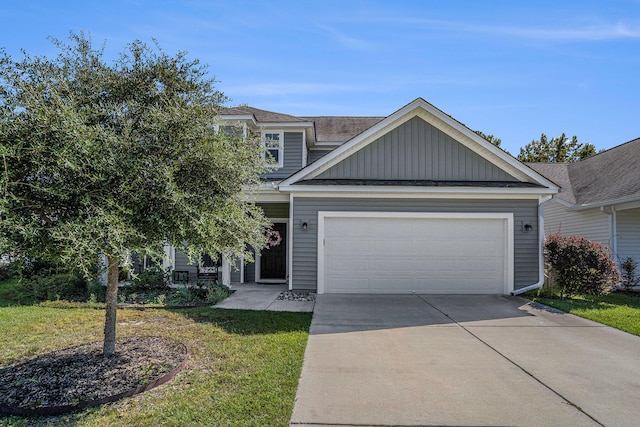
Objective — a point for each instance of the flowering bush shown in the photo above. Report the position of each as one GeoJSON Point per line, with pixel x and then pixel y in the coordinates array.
{"type": "Point", "coordinates": [580, 265]}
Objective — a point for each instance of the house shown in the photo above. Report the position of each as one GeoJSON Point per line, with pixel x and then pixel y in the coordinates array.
{"type": "Point", "coordinates": [411, 202]}
{"type": "Point", "coordinates": [600, 199]}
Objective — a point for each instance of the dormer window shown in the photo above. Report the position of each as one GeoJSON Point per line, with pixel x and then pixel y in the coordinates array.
{"type": "Point", "coordinates": [274, 147]}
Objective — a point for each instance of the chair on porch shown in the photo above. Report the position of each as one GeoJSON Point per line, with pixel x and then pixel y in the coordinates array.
{"type": "Point", "coordinates": [208, 269]}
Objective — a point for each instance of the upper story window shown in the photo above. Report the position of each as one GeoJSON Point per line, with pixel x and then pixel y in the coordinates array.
{"type": "Point", "coordinates": [274, 146]}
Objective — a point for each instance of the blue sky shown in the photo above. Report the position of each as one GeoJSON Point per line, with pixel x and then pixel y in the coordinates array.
{"type": "Point", "coordinates": [514, 69]}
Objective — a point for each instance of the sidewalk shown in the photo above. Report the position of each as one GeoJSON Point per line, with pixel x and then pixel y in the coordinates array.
{"type": "Point", "coordinates": [251, 296]}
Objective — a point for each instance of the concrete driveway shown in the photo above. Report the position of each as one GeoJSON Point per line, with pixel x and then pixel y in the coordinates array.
{"type": "Point", "coordinates": [424, 360]}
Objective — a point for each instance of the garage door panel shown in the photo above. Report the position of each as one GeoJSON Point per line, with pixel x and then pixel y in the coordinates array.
{"type": "Point", "coordinates": [349, 227]}
{"type": "Point", "coordinates": [347, 246]}
{"type": "Point", "coordinates": [395, 247]}
{"type": "Point", "coordinates": [353, 265]}
{"type": "Point", "coordinates": [401, 255]}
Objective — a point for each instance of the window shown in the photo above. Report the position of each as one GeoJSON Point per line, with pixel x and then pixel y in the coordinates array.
{"type": "Point", "coordinates": [274, 147]}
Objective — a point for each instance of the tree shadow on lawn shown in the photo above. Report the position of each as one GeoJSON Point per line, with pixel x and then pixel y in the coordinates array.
{"type": "Point", "coordinates": [249, 322]}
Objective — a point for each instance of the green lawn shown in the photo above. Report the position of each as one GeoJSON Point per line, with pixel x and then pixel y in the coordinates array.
{"type": "Point", "coordinates": [243, 366]}
{"type": "Point", "coordinates": [619, 310]}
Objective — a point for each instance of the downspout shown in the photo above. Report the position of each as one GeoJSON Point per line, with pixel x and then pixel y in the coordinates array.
{"type": "Point", "coordinates": [540, 281]}
{"type": "Point", "coordinates": [613, 241]}
{"type": "Point", "coordinates": [614, 233]}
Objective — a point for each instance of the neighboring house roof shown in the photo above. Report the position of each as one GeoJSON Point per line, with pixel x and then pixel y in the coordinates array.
{"type": "Point", "coordinates": [609, 177]}
{"type": "Point", "coordinates": [340, 129]}
{"type": "Point", "coordinates": [260, 115]}
{"type": "Point", "coordinates": [559, 174]}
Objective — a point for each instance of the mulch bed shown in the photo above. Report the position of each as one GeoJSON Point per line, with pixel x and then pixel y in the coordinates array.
{"type": "Point", "coordinates": [77, 377]}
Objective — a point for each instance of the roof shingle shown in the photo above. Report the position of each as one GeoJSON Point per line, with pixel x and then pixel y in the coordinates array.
{"type": "Point", "coordinates": [341, 129]}
{"type": "Point", "coordinates": [608, 176]}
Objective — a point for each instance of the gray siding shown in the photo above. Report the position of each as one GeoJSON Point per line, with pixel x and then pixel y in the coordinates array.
{"type": "Point", "coordinates": [275, 210]}
{"type": "Point", "coordinates": [628, 234]}
{"type": "Point", "coordinates": [292, 161]}
{"type": "Point", "coordinates": [314, 155]}
{"type": "Point", "coordinates": [249, 272]}
{"type": "Point", "coordinates": [182, 264]}
{"type": "Point", "coordinates": [526, 250]}
{"type": "Point", "coordinates": [416, 151]}
{"type": "Point", "coordinates": [591, 223]}
{"type": "Point", "coordinates": [235, 272]}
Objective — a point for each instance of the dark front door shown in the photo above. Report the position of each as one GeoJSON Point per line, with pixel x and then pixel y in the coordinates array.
{"type": "Point", "coordinates": [273, 259]}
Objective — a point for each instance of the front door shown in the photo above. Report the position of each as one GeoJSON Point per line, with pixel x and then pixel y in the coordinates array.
{"type": "Point", "coordinates": [273, 259]}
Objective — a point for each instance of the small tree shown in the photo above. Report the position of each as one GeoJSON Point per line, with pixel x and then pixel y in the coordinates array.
{"type": "Point", "coordinates": [580, 265]}
{"type": "Point", "coordinates": [629, 278]}
{"type": "Point", "coordinates": [109, 159]}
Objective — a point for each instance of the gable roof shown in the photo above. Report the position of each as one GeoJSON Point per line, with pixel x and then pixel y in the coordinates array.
{"type": "Point", "coordinates": [609, 177]}
{"type": "Point", "coordinates": [443, 123]}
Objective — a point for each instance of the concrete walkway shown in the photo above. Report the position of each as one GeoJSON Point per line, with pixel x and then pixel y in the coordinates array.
{"type": "Point", "coordinates": [262, 297]}
{"type": "Point", "coordinates": [417, 360]}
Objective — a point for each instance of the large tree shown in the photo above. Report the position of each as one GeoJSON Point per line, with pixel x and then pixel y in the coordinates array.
{"type": "Point", "coordinates": [556, 150]}
{"type": "Point", "coordinates": [113, 158]}
{"type": "Point", "coordinates": [492, 139]}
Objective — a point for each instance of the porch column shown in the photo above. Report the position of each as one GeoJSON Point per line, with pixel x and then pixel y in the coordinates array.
{"type": "Point", "coordinates": [226, 271]}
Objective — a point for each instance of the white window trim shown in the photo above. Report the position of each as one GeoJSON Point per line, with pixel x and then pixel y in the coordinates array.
{"type": "Point", "coordinates": [506, 217]}
{"type": "Point", "coordinates": [280, 163]}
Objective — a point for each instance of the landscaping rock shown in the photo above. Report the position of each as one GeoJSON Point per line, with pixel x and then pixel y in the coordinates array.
{"type": "Point", "coordinates": [297, 296]}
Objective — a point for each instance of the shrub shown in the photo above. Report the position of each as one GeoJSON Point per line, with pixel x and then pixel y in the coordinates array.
{"type": "Point", "coordinates": [182, 295]}
{"type": "Point", "coordinates": [97, 290]}
{"type": "Point", "coordinates": [580, 265]}
{"type": "Point", "coordinates": [217, 292]}
{"type": "Point", "coordinates": [64, 286]}
{"type": "Point", "coordinates": [9, 270]}
{"type": "Point", "coordinates": [629, 279]}
{"type": "Point", "coordinates": [150, 280]}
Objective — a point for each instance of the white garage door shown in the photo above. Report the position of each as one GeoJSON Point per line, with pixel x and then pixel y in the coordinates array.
{"type": "Point", "coordinates": [404, 253]}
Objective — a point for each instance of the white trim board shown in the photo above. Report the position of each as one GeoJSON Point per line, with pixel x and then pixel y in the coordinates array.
{"type": "Point", "coordinates": [507, 217]}
{"type": "Point", "coordinates": [410, 193]}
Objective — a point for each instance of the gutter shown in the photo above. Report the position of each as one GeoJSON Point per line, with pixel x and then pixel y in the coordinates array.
{"type": "Point", "coordinates": [605, 203]}
{"type": "Point", "coordinates": [540, 281]}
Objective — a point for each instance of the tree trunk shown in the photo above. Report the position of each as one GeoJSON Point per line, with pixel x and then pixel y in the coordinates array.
{"type": "Point", "coordinates": [112, 304]}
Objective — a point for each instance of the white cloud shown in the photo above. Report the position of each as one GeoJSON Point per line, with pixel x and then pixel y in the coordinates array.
{"type": "Point", "coordinates": [270, 89]}
{"type": "Point", "coordinates": [348, 41]}
{"type": "Point", "coordinates": [572, 32]}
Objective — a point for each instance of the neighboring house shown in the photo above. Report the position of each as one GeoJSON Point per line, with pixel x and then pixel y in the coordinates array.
{"type": "Point", "coordinates": [600, 199]}
{"type": "Point", "coordinates": [412, 202]}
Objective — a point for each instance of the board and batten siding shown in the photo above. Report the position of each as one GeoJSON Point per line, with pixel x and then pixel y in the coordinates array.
{"type": "Point", "coordinates": [591, 223]}
{"type": "Point", "coordinates": [292, 160]}
{"type": "Point", "coordinates": [305, 243]}
{"type": "Point", "coordinates": [628, 234]}
{"type": "Point", "coordinates": [416, 150]}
